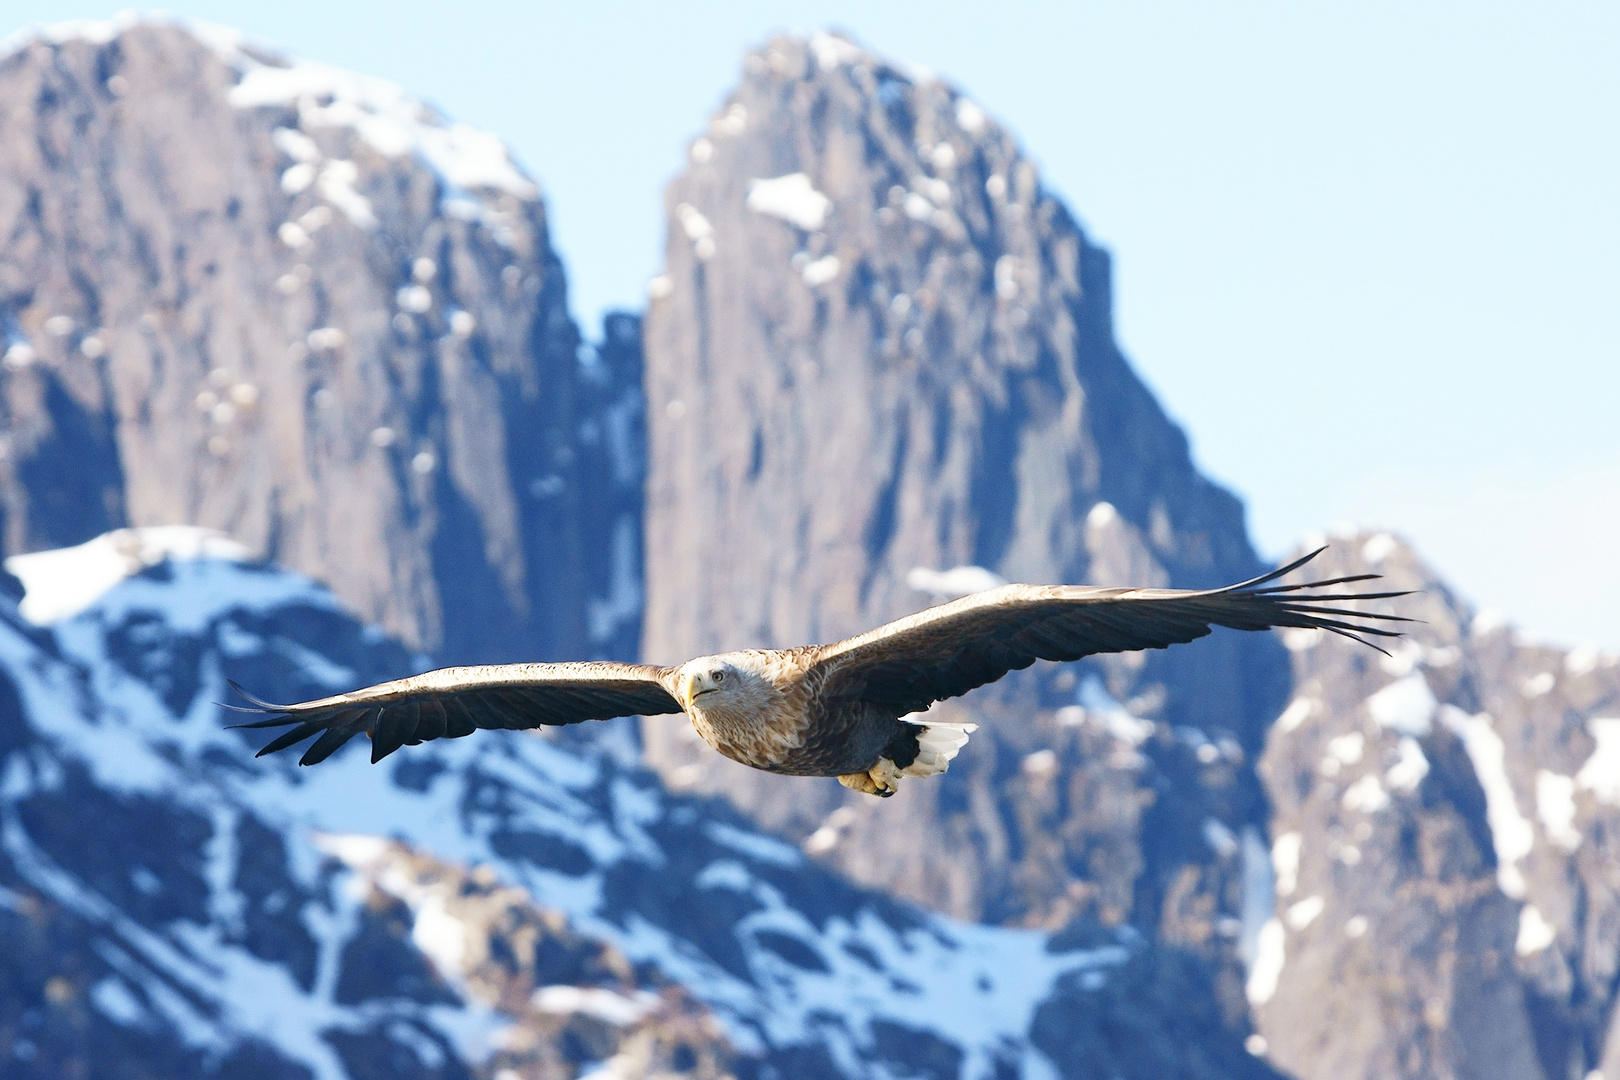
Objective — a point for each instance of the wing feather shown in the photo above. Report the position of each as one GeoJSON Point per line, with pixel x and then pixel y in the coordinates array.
{"type": "Point", "coordinates": [453, 702]}
{"type": "Point", "coordinates": [950, 649]}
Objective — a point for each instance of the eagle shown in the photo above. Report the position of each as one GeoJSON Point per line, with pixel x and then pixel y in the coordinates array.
{"type": "Point", "coordinates": [848, 710]}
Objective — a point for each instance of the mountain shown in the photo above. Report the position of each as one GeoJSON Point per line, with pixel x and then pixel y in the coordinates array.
{"type": "Point", "coordinates": [299, 306]}
{"type": "Point", "coordinates": [262, 296]}
{"type": "Point", "coordinates": [880, 358]}
{"type": "Point", "coordinates": [174, 907]}
{"type": "Point", "coordinates": [1443, 836]}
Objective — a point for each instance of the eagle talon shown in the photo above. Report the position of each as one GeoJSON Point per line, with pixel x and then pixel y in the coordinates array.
{"type": "Point", "coordinates": [882, 779]}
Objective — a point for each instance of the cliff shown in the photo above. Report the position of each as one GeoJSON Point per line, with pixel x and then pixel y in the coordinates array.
{"type": "Point", "coordinates": [299, 306]}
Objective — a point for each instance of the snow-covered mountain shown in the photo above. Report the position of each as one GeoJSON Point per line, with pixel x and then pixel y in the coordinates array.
{"type": "Point", "coordinates": [169, 901]}
{"type": "Point", "coordinates": [296, 305]}
{"type": "Point", "coordinates": [1444, 825]}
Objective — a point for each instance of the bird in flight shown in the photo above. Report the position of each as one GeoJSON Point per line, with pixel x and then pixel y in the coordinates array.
{"type": "Point", "coordinates": [843, 710]}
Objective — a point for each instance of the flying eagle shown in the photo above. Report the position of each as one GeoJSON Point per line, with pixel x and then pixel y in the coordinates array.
{"type": "Point", "coordinates": [839, 710]}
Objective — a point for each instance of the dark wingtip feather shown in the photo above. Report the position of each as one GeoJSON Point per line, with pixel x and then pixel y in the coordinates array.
{"type": "Point", "coordinates": [274, 721]}
{"type": "Point", "coordinates": [329, 743]}
{"type": "Point", "coordinates": [297, 734]}
{"type": "Point", "coordinates": [1282, 571]}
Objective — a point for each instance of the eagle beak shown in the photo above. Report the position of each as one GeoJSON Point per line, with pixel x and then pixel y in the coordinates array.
{"type": "Point", "coordinates": [697, 684]}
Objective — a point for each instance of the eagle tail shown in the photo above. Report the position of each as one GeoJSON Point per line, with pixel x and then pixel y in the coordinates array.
{"type": "Point", "coordinates": [937, 745]}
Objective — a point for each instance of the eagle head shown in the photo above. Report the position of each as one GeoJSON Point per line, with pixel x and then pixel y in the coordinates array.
{"type": "Point", "coordinates": [709, 680]}
{"type": "Point", "coordinates": [726, 683]}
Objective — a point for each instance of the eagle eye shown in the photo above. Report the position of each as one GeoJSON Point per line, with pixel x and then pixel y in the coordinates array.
{"type": "Point", "coordinates": [718, 677]}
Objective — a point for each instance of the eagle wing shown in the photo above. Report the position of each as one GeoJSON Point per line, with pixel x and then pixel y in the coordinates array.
{"type": "Point", "coordinates": [948, 650]}
{"type": "Point", "coordinates": [452, 702]}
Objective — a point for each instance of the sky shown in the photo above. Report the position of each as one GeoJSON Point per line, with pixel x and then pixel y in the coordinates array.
{"type": "Point", "coordinates": [1368, 255]}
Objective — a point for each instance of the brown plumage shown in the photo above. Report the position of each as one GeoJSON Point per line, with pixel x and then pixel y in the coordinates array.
{"type": "Point", "coordinates": [827, 710]}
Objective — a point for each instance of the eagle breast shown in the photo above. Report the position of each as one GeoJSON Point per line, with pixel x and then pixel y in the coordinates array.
{"type": "Point", "coordinates": [752, 706]}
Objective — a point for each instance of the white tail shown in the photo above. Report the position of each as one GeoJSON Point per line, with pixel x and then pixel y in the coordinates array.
{"type": "Point", "coordinates": [937, 744]}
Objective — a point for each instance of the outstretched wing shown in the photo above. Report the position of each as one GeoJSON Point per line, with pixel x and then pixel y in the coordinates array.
{"type": "Point", "coordinates": [948, 650]}
{"type": "Point", "coordinates": [452, 702]}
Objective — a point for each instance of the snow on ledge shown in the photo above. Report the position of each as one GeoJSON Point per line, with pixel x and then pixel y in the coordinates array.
{"type": "Point", "coordinates": [1601, 772]}
{"type": "Point", "coordinates": [956, 582]}
{"type": "Point", "coordinates": [1535, 932]}
{"type": "Point", "coordinates": [387, 118]}
{"type": "Point", "coordinates": [1271, 953]}
{"type": "Point", "coordinates": [831, 50]}
{"type": "Point", "coordinates": [792, 198]}
{"type": "Point", "coordinates": [391, 121]}
{"type": "Point", "coordinates": [1511, 833]}
{"type": "Point", "coordinates": [61, 583]}
{"type": "Point", "coordinates": [225, 42]}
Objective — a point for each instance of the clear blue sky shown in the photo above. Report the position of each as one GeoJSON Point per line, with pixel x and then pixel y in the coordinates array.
{"type": "Point", "coordinates": [1368, 254]}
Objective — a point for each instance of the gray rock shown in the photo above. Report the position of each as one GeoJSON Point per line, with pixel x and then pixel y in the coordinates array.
{"type": "Point", "coordinates": [298, 306]}
{"type": "Point", "coordinates": [1443, 830]}
{"type": "Point", "coordinates": [880, 345]}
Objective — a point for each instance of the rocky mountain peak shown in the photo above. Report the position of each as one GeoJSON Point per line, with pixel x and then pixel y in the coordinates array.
{"type": "Point", "coordinates": [1440, 829]}
{"type": "Point", "coordinates": [881, 369]}
{"type": "Point", "coordinates": [296, 305]}
{"type": "Point", "coordinates": [868, 290]}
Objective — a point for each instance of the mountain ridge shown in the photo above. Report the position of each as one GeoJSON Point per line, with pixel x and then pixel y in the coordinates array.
{"type": "Point", "coordinates": [1205, 859]}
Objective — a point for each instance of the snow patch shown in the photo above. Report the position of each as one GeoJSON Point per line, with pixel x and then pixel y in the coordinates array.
{"type": "Point", "coordinates": [1101, 707]}
{"type": "Point", "coordinates": [1270, 954]}
{"type": "Point", "coordinates": [388, 119]}
{"type": "Point", "coordinates": [1378, 548]}
{"type": "Point", "coordinates": [59, 584]}
{"type": "Point", "coordinates": [1302, 638]}
{"type": "Point", "coordinates": [1601, 773]}
{"type": "Point", "coordinates": [1299, 710]}
{"type": "Point", "coordinates": [1555, 806]}
{"type": "Point", "coordinates": [1285, 861]}
{"type": "Point", "coordinates": [830, 51]}
{"type": "Point", "coordinates": [821, 271]}
{"type": "Point", "coordinates": [610, 1007]}
{"type": "Point", "coordinates": [1044, 763]}
{"type": "Point", "coordinates": [1259, 894]}
{"type": "Point", "coordinates": [1511, 833]}
{"type": "Point", "coordinates": [1535, 932]}
{"type": "Point", "coordinates": [1102, 514]}
{"type": "Point", "coordinates": [1411, 765]}
{"type": "Point", "coordinates": [1406, 706]}
{"type": "Point", "coordinates": [1221, 840]}
{"type": "Point", "coordinates": [969, 116]}
{"type": "Point", "coordinates": [1366, 795]}
{"type": "Point", "coordinates": [1304, 913]}
{"type": "Point", "coordinates": [1537, 685]}
{"type": "Point", "coordinates": [1403, 659]}
{"type": "Point", "coordinates": [605, 615]}
{"type": "Point", "coordinates": [792, 198]}
{"type": "Point", "coordinates": [956, 582]}
{"type": "Point", "coordinates": [1347, 749]}
{"type": "Point", "coordinates": [1581, 660]}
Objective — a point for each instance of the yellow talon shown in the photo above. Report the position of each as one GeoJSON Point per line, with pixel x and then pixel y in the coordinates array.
{"type": "Point", "coordinates": [882, 779]}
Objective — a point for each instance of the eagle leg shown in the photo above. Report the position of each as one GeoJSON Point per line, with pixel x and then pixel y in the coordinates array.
{"type": "Point", "coordinates": [882, 779]}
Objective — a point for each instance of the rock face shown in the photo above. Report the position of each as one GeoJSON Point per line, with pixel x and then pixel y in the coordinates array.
{"type": "Point", "coordinates": [880, 347]}
{"type": "Point", "coordinates": [1443, 838]}
{"type": "Point", "coordinates": [296, 305]}
{"type": "Point", "coordinates": [172, 907]}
